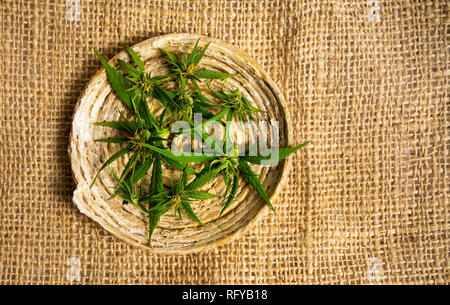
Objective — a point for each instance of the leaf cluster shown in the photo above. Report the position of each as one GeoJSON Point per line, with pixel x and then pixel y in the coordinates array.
{"type": "Point", "coordinates": [144, 138]}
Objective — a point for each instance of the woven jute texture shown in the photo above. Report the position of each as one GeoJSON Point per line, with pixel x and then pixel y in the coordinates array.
{"type": "Point", "coordinates": [365, 203]}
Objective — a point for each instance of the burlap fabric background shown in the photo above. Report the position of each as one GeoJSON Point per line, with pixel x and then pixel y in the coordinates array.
{"type": "Point", "coordinates": [366, 202]}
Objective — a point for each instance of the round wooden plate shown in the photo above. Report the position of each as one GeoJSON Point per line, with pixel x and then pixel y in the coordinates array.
{"type": "Point", "coordinates": [99, 103]}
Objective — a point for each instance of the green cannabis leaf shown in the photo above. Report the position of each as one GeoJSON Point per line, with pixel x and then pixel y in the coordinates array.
{"type": "Point", "coordinates": [184, 104]}
{"type": "Point", "coordinates": [145, 138]}
{"type": "Point", "coordinates": [273, 156]}
{"type": "Point", "coordinates": [118, 82]}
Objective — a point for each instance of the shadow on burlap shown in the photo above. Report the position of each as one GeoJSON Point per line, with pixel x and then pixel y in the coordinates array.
{"type": "Point", "coordinates": [366, 202]}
